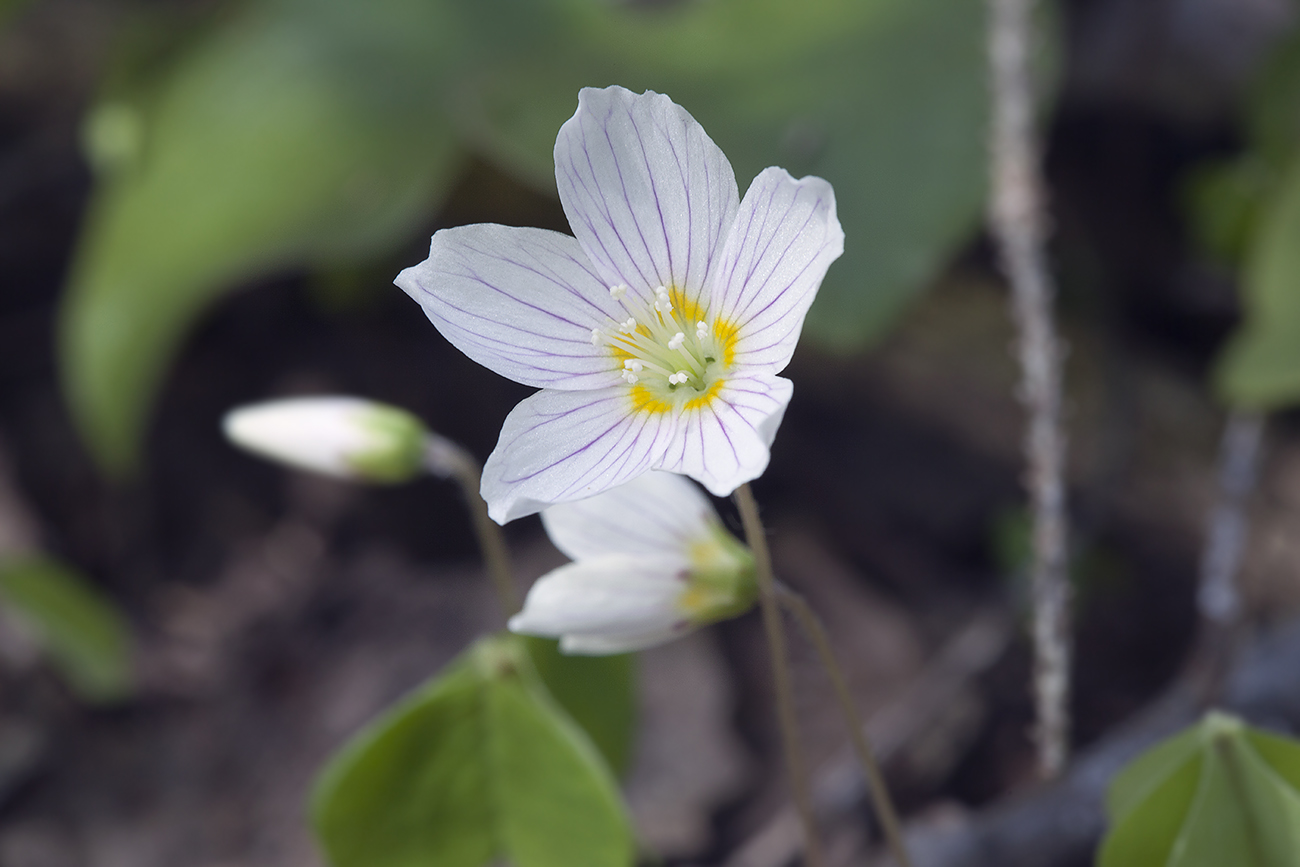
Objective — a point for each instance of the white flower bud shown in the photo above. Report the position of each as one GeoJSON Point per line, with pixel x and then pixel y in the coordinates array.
{"type": "Point", "coordinates": [345, 437]}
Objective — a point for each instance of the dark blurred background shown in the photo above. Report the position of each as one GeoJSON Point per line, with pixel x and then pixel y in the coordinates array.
{"type": "Point", "coordinates": [274, 613]}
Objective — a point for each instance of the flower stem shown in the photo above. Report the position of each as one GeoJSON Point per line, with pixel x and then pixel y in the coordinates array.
{"type": "Point", "coordinates": [446, 459]}
{"type": "Point", "coordinates": [885, 810]}
{"type": "Point", "coordinates": [754, 535]}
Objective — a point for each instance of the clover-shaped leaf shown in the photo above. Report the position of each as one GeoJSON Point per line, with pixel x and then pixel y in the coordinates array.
{"type": "Point", "coordinates": [1219, 793]}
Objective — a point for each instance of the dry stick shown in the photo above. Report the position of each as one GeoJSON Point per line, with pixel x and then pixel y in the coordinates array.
{"type": "Point", "coordinates": [1016, 214]}
{"type": "Point", "coordinates": [1218, 598]}
{"type": "Point", "coordinates": [445, 459]}
{"type": "Point", "coordinates": [888, 816]}
{"type": "Point", "coordinates": [754, 535]}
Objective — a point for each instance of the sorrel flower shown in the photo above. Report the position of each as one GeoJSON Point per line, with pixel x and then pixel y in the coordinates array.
{"type": "Point", "coordinates": [655, 333]}
{"type": "Point", "coordinates": [652, 562]}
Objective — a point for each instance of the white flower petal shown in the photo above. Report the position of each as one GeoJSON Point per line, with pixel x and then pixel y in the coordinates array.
{"type": "Point", "coordinates": [647, 192]}
{"type": "Point", "coordinates": [725, 442]}
{"type": "Point", "coordinates": [605, 596]}
{"type": "Point", "coordinates": [566, 445]}
{"type": "Point", "coordinates": [345, 437]}
{"type": "Point", "coordinates": [604, 645]}
{"type": "Point", "coordinates": [784, 238]}
{"type": "Point", "coordinates": [653, 514]}
{"type": "Point", "coordinates": [522, 302]}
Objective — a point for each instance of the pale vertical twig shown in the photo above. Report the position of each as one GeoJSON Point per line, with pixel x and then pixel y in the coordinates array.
{"type": "Point", "coordinates": [795, 767]}
{"type": "Point", "coordinates": [1218, 598]}
{"type": "Point", "coordinates": [1017, 219]}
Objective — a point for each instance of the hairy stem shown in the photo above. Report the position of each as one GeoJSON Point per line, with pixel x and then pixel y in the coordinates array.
{"type": "Point", "coordinates": [885, 810]}
{"type": "Point", "coordinates": [446, 459]}
{"type": "Point", "coordinates": [754, 535]}
{"type": "Point", "coordinates": [1016, 216]}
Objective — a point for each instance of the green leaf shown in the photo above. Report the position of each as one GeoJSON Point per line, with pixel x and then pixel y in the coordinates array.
{"type": "Point", "coordinates": [849, 91]}
{"type": "Point", "coordinates": [1260, 368]}
{"type": "Point", "coordinates": [293, 135]}
{"type": "Point", "coordinates": [81, 631]}
{"type": "Point", "coordinates": [1218, 793]}
{"type": "Point", "coordinates": [598, 692]}
{"type": "Point", "coordinates": [477, 764]}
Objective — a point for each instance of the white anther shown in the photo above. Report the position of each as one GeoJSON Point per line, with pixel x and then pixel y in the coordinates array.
{"type": "Point", "coordinates": [682, 376]}
{"type": "Point", "coordinates": [618, 291]}
{"type": "Point", "coordinates": [595, 336]}
{"type": "Point", "coordinates": [633, 365]}
{"type": "Point", "coordinates": [629, 377]}
{"type": "Point", "coordinates": [701, 329]}
{"type": "Point", "coordinates": [672, 379]}
{"type": "Point", "coordinates": [678, 339]}
{"type": "Point", "coordinates": [629, 326]}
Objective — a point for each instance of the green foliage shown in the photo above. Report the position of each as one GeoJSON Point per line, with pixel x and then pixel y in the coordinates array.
{"type": "Point", "coordinates": [1219, 793]}
{"type": "Point", "coordinates": [1261, 366]}
{"type": "Point", "coordinates": [286, 138]}
{"type": "Point", "coordinates": [1248, 211]}
{"type": "Point", "coordinates": [598, 692]}
{"type": "Point", "coordinates": [319, 132]}
{"type": "Point", "coordinates": [478, 764]}
{"type": "Point", "coordinates": [82, 632]}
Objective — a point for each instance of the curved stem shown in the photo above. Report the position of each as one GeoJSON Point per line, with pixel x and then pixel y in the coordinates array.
{"type": "Point", "coordinates": [812, 625]}
{"type": "Point", "coordinates": [446, 459]}
{"type": "Point", "coordinates": [754, 535]}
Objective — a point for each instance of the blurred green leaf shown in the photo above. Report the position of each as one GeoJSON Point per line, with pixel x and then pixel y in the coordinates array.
{"type": "Point", "coordinates": [81, 631]}
{"type": "Point", "coordinates": [598, 692]}
{"type": "Point", "coordinates": [1260, 368]}
{"type": "Point", "coordinates": [478, 764]}
{"type": "Point", "coordinates": [1219, 793]}
{"type": "Point", "coordinates": [886, 100]}
{"type": "Point", "coordinates": [288, 137]}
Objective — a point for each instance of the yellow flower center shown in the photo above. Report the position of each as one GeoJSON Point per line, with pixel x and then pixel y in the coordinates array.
{"type": "Point", "coordinates": [669, 352]}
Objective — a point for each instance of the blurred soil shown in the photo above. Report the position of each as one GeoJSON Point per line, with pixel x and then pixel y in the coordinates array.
{"type": "Point", "coordinates": [277, 613]}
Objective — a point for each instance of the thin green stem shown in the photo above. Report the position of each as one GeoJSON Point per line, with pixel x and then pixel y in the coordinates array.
{"type": "Point", "coordinates": [754, 535]}
{"type": "Point", "coordinates": [885, 810]}
{"type": "Point", "coordinates": [446, 459]}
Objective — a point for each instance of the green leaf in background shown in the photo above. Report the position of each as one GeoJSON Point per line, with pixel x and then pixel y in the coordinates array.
{"type": "Point", "coordinates": [1219, 793]}
{"type": "Point", "coordinates": [82, 633]}
{"type": "Point", "coordinates": [288, 137]}
{"type": "Point", "coordinates": [1260, 368]}
{"type": "Point", "coordinates": [598, 692]}
{"type": "Point", "coordinates": [886, 99]}
{"type": "Point", "coordinates": [478, 764]}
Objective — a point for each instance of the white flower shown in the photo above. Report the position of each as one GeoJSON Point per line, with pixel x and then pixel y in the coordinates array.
{"type": "Point", "coordinates": [652, 562]}
{"type": "Point", "coordinates": [346, 437]}
{"type": "Point", "coordinates": [657, 332]}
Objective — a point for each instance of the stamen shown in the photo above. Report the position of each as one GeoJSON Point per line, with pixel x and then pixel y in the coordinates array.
{"type": "Point", "coordinates": [701, 330]}
{"type": "Point", "coordinates": [662, 303]}
{"type": "Point", "coordinates": [628, 327]}
{"type": "Point", "coordinates": [617, 292]}
{"type": "Point", "coordinates": [678, 339]}
{"type": "Point", "coordinates": [633, 365]}
{"type": "Point", "coordinates": [595, 336]}
{"type": "Point", "coordinates": [629, 377]}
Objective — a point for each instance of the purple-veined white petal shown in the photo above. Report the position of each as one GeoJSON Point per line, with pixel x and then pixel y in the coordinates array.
{"type": "Point", "coordinates": [566, 445]}
{"type": "Point", "coordinates": [725, 442]}
{"type": "Point", "coordinates": [603, 645]}
{"type": "Point", "coordinates": [609, 596]}
{"type": "Point", "coordinates": [653, 514]}
{"type": "Point", "coordinates": [784, 238]}
{"type": "Point", "coordinates": [522, 302]}
{"type": "Point", "coordinates": [648, 194]}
